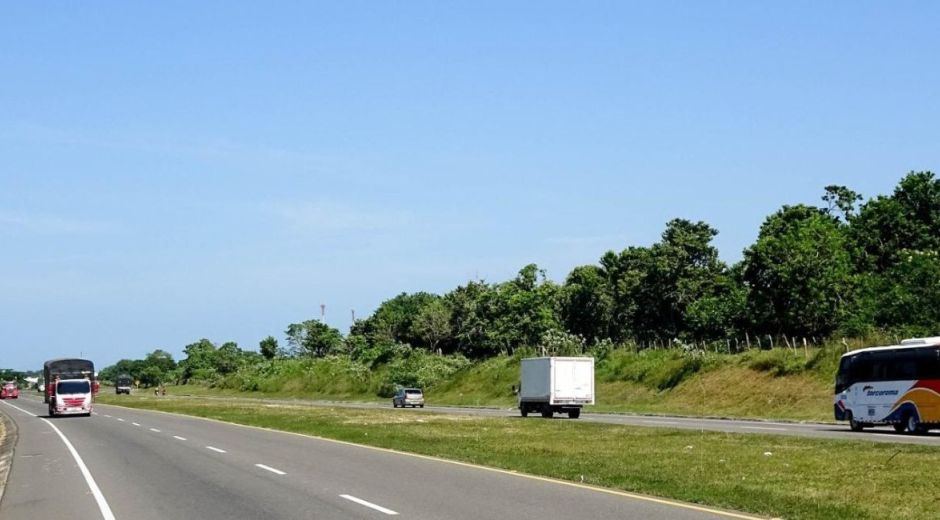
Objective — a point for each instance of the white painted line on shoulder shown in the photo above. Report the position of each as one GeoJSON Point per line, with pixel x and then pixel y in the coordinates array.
{"type": "Point", "coordinates": [103, 506]}
{"type": "Point", "coordinates": [765, 428]}
{"type": "Point", "coordinates": [272, 470]}
{"type": "Point", "coordinates": [217, 450]}
{"type": "Point", "coordinates": [177, 437]}
{"type": "Point", "coordinates": [154, 430]}
{"type": "Point", "coordinates": [370, 505]}
{"type": "Point", "coordinates": [20, 409]}
{"type": "Point", "coordinates": [660, 422]}
{"type": "Point", "coordinates": [135, 424]}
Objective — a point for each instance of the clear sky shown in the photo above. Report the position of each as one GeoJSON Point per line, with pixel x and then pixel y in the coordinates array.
{"type": "Point", "coordinates": [178, 170]}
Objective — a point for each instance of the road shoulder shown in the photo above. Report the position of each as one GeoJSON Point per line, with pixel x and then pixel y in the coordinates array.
{"type": "Point", "coordinates": [8, 437]}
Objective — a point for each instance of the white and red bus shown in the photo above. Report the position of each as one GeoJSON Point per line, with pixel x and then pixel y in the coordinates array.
{"type": "Point", "coordinates": [897, 385]}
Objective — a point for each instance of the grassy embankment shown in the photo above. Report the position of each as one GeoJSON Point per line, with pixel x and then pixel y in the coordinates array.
{"type": "Point", "coordinates": [769, 475]}
{"type": "Point", "coordinates": [769, 384]}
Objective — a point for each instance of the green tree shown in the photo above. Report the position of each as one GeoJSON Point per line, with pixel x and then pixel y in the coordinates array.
{"type": "Point", "coordinates": [268, 347]}
{"type": "Point", "coordinates": [587, 306]}
{"type": "Point", "coordinates": [472, 312]}
{"type": "Point", "coordinates": [432, 324]}
{"type": "Point", "coordinates": [908, 220]}
{"type": "Point", "coordinates": [842, 200]}
{"type": "Point", "coordinates": [312, 338]}
{"type": "Point", "coordinates": [799, 273]}
{"type": "Point", "coordinates": [227, 358]}
{"type": "Point", "coordinates": [200, 359]}
{"type": "Point", "coordinates": [392, 322]}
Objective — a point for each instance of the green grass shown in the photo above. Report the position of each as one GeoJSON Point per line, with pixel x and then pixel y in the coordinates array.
{"type": "Point", "coordinates": [768, 475]}
{"type": "Point", "coordinates": [763, 384]}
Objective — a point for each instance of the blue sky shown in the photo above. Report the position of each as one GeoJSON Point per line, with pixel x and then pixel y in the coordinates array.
{"type": "Point", "coordinates": [180, 170]}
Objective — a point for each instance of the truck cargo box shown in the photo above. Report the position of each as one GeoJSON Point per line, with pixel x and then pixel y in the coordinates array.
{"type": "Point", "coordinates": [556, 384]}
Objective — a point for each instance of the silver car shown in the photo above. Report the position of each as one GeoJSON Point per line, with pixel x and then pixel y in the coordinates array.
{"type": "Point", "coordinates": [408, 397]}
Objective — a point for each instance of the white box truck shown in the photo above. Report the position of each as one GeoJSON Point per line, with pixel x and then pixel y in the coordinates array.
{"type": "Point", "coordinates": [552, 385]}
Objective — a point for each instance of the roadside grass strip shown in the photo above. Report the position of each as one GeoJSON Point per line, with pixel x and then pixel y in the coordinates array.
{"type": "Point", "coordinates": [770, 475]}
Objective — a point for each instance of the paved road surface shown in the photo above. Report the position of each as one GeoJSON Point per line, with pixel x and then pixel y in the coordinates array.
{"type": "Point", "coordinates": [815, 430]}
{"type": "Point", "coordinates": [153, 466]}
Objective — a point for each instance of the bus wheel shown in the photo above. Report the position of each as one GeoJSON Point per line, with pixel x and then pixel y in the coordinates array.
{"type": "Point", "coordinates": [854, 425]}
{"type": "Point", "coordinates": [914, 426]}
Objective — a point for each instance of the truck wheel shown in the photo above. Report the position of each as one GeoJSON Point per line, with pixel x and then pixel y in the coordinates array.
{"type": "Point", "coordinates": [524, 411]}
{"type": "Point", "coordinates": [547, 412]}
{"type": "Point", "coordinates": [574, 414]}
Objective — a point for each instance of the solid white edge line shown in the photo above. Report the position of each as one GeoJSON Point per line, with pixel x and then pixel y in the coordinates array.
{"type": "Point", "coordinates": [217, 450]}
{"type": "Point", "coordinates": [441, 460]}
{"type": "Point", "coordinates": [368, 504]}
{"type": "Point", "coordinates": [103, 506]}
{"type": "Point", "coordinates": [20, 409]}
{"type": "Point", "coordinates": [177, 437]}
{"type": "Point", "coordinates": [272, 470]}
{"type": "Point", "coordinates": [764, 428]}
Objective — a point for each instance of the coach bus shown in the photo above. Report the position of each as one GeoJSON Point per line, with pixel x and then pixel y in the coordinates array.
{"type": "Point", "coordinates": [897, 386]}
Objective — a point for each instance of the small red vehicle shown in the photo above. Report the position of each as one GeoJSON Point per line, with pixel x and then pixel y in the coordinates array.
{"type": "Point", "coordinates": [10, 391]}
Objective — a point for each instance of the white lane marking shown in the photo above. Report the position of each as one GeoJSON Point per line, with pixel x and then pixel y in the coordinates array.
{"type": "Point", "coordinates": [154, 430]}
{"type": "Point", "coordinates": [514, 474]}
{"type": "Point", "coordinates": [213, 448]}
{"type": "Point", "coordinates": [135, 424]}
{"type": "Point", "coordinates": [122, 420]}
{"type": "Point", "coordinates": [764, 428]}
{"type": "Point", "coordinates": [20, 409]}
{"type": "Point", "coordinates": [103, 506]}
{"type": "Point", "coordinates": [660, 422]}
{"type": "Point", "coordinates": [272, 470]}
{"type": "Point", "coordinates": [370, 505]}
{"type": "Point", "coordinates": [106, 415]}
{"type": "Point", "coordinates": [177, 437]}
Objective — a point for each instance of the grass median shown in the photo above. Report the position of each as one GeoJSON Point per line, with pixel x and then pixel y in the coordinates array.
{"type": "Point", "coordinates": [779, 476]}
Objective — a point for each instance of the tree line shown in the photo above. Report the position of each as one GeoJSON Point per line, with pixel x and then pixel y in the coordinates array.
{"type": "Point", "coordinates": [845, 266]}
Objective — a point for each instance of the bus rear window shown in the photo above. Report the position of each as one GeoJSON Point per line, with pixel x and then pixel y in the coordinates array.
{"type": "Point", "coordinates": [74, 387]}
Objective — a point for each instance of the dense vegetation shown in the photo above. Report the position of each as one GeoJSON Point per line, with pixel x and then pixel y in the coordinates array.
{"type": "Point", "coordinates": [843, 269]}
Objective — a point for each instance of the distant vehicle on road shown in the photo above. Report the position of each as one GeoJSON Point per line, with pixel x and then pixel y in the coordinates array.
{"type": "Point", "coordinates": [70, 386]}
{"type": "Point", "coordinates": [896, 385]}
{"type": "Point", "coordinates": [408, 397]}
{"type": "Point", "coordinates": [551, 385]}
{"type": "Point", "coordinates": [9, 391]}
{"type": "Point", "coordinates": [122, 384]}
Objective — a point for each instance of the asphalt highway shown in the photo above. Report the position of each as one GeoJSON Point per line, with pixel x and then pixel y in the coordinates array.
{"type": "Point", "coordinates": [134, 464]}
{"type": "Point", "coordinates": [803, 429]}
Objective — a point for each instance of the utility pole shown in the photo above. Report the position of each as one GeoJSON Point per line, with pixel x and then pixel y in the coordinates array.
{"type": "Point", "coordinates": [323, 313]}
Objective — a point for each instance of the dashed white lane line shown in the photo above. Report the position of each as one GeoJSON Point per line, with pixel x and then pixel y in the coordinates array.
{"type": "Point", "coordinates": [106, 415]}
{"type": "Point", "coordinates": [370, 505]}
{"type": "Point", "coordinates": [217, 450]}
{"type": "Point", "coordinates": [135, 424]}
{"type": "Point", "coordinates": [272, 470]}
{"type": "Point", "coordinates": [177, 437]}
{"type": "Point", "coordinates": [154, 430]}
{"type": "Point", "coordinates": [764, 428]}
{"type": "Point", "coordinates": [122, 420]}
